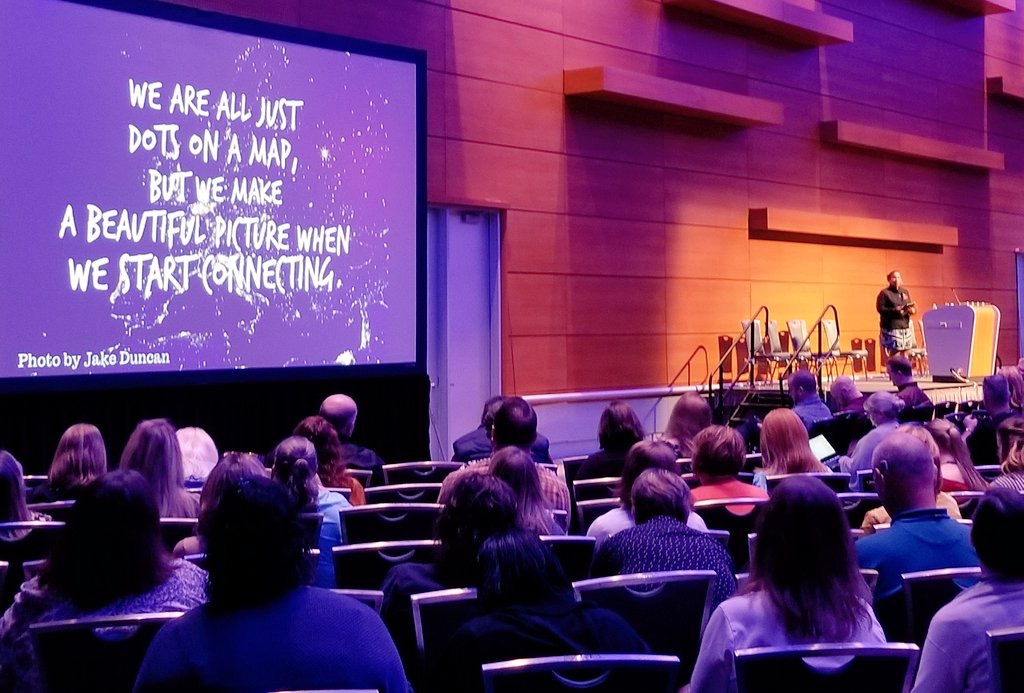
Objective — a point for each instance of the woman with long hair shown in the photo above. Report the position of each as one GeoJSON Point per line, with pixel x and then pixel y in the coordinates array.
{"type": "Point", "coordinates": [1010, 443]}
{"type": "Point", "coordinates": [690, 414]}
{"type": "Point", "coordinates": [12, 492]}
{"type": "Point", "coordinates": [804, 587]}
{"type": "Point", "coordinates": [294, 466]}
{"type": "Point", "coordinates": [81, 456]}
{"type": "Point", "coordinates": [109, 561]}
{"type": "Point", "coordinates": [153, 451]}
{"type": "Point", "coordinates": [785, 446]}
{"type": "Point", "coordinates": [958, 472]}
{"type": "Point", "coordinates": [331, 467]}
{"type": "Point", "coordinates": [516, 468]}
{"type": "Point", "coordinates": [617, 431]}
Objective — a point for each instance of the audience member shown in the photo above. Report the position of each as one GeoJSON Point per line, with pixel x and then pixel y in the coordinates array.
{"type": "Point", "coordinates": [516, 468]}
{"type": "Point", "coordinates": [341, 412]}
{"type": "Point", "coordinates": [901, 373]}
{"type": "Point", "coordinates": [1015, 382]}
{"type": "Point", "coordinates": [263, 629]}
{"type": "Point", "coordinates": [295, 466]}
{"type": "Point", "coordinates": [1010, 436]}
{"type": "Point", "coordinates": [922, 537]}
{"type": "Point", "coordinates": [477, 444]}
{"type": "Point", "coordinates": [153, 451]}
{"type": "Point", "coordinates": [330, 468]}
{"type": "Point", "coordinates": [883, 409]}
{"type": "Point", "coordinates": [529, 611]}
{"type": "Point", "coordinates": [943, 501]}
{"type": "Point", "coordinates": [198, 454]}
{"type": "Point", "coordinates": [846, 397]}
{"type": "Point", "coordinates": [718, 456]}
{"type": "Point", "coordinates": [12, 493]}
{"type": "Point", "coordinates": [785, 447]}
{"type": "Point", "coordinates": [641, 457]}
{"type": "Point", "coordinates": [803, 388]}
{"type": "Point", "coordinates": [955, 658]}
{"type": "Point", "coordinates": [515, 425]}
{"type": "Point", "coordinates": [804, 586]}
{"type": "Point", "coordinates": [690, 414]}
{"type": "Point", "coordinates": [661, 540]}
{"type": "Point", "coordinates": [480, 505]}
{"type": "Point", "coordinates": [981, 429]}
{"type": "Point", "coordinates": [958, 474]}
{"type": "Point", "coordinates": [231, 469]}
{"type": "Point", "coordinates": [618, 430]}
{"type": "Point", "coordinates": [109, 561]}
{"type": "Point", "coordinates": [81, 457]}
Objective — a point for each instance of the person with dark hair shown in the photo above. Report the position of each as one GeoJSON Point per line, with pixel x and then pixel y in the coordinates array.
{"type": "Point", "coordinates": [955, 657]}
{"type": "Point", "coordinates": [894, 308]}
{"type": "Point", "coordinates": [804, 586]}
{"type": "Point", "coordinates": [81, 457]}
{"type": "Point", "coordinates": [295, 466]}
{"type": "Point", "coordinates": [515, 425]}
{"type": "Point", "coordinates": [477, 444]}
{"type": "Point", "coordinates": [516, 468]}
{"type": "Point", "coordinates": [617, 431]}
{"type": "Point", "coordinates": [1010, 444]}
{"type": "Point", "coordinates": [690, 414]}
{"type": "Point", "coordinates": [901, 373]}
{"type": "Point", "coordinates": [661, 540]}
{"type": "Point", "coordinates": [109, 561]}
{"type": "Point", "coordinates": [647, 454]}
{"type": "Point", "coordinates": [921, 537]}
{"type": "Point", "coordinates": [263, 628]}
{"type": "Point", "coordinates": [12, 493]}
{"type": "Point", "coordinates": [341, 411]}
{"type": "Point", "coordinates": [718, 456]}
{"type": "Point", "coordinates": [330, 468]}
{"type": "Point", "coordinates": [529, 610]}
{"type": "Point", "coordinates": [480, 505]}
{"type": "Point", "coordinates": [980, 431]}
{"type": "Point", "coordinates": [803, 388]}
{"type": "Point", "coordinates": [153, 451]}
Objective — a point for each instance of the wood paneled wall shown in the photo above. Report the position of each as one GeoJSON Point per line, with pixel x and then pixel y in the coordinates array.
{"type": "Point", "coordinates": [625, 245]}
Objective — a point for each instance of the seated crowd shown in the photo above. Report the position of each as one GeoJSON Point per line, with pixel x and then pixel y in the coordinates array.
{"type": "Point", "coordinates": [259, 616]}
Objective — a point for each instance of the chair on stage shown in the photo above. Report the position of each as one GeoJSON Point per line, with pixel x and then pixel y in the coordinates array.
{"type": "Point", "coordinates": [364, 566]}
{"type": "Point", "coordinates": [598, 673]}
{"type": "Point", "coordinates": [388, 522]}
{"type": "Point", "coordinates": [834, 352]}
{"type": "Point", "coordinates": [419, 472]}
{"type": "Point", "coordinates": [850, 667]}
{"type": "Point", "coordinates": [1006, 653]}
{"type": "Point", "coordinates": [799, 339]}
{"type": "Point", "coordinates": [919, 354]}
{"type": "Point", "coordinates": [669, 609]}
{"type": "Point", "coordinates": [771, 355]}
{"type": "Point", "coordinates": [95, 654]}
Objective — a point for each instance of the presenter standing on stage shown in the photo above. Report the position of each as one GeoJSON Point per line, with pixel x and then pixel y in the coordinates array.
{"type": "Point", "coordinates": [895, 308]}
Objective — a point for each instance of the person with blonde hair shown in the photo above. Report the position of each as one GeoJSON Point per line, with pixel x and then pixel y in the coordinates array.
{"type": "Point", "coordinates": [153, 451]}
{"type": "Point", "coordinates": [198, 454]}
{"type": "Point", "coordinates": [785, 446]}
{"type": "Point", "coordinates": [516, 468]}
{"type": "Point", "coordinates": [958, 474]}
{"type": "Point", "coordinates": [1010, 441]}
{"type": "Point", "coordinates": [690, 415]}
{"type": "Point", "coordinates": [883, 409]}
{"type": "Point", "coordinates": [81, 457]}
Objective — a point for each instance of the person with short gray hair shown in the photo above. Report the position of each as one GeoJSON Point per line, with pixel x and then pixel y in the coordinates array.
{"type": "Point", "coordinates": [883, 409]}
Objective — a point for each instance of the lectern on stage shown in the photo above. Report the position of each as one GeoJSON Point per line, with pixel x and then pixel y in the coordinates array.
{"type": "Point", "coordinates": [962, 337]}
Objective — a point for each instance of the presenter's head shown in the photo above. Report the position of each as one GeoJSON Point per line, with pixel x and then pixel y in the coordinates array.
{"type": "Point", "coordinates": [341, 411]}
{"type": "Point", "coordinates": [895, 279]}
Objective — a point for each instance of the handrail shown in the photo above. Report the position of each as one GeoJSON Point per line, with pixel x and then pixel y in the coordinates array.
{"type": "Point", "coordinates": [795, 355]}
{"type": "Point", "coordinates": [751, 362]}
{"type": "Point", "coordinates": [686, 365]}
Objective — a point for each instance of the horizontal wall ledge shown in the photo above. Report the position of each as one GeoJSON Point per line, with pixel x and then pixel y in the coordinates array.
{"type": "Point", "coordinates": [670, 96]}
{"type": "Point", "coordinates": [1005, 87]}
{"type": "Point", "coordinates": [878, 139]}
{"type": "Point", "coordinates": [981, 7]}
{"type": "Point", "coordinates": [783, 19]}
{"type": "Point", "coordinates": [798, 226]}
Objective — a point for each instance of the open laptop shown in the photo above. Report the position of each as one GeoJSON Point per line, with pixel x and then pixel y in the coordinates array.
{"type": "Point", "coordinates": [824, 451]}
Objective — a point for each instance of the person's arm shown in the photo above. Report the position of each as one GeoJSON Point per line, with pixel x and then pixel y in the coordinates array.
{"type": "Point", "coordinates": [714, 671]}
{"type": "Point", "coordinates": [940, 671]}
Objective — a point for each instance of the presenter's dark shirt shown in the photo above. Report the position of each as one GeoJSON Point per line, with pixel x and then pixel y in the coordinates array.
{"type": "Point", "coordinates": [888, 304]}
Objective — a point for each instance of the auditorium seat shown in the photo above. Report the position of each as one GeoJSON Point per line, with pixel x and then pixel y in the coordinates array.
{"type": "Point", "coordinates": [364, 566]}
{"type": "Point", "coordinates": [1006, 652]}
{"type": "Point", "coordinates": [611, 673]}
{"type": "Point", "coordinates": [435, 618]}
{"type": "Point", "coordinates": [174, 529]}
{"type": "Point", "coordinates": [927, 591]}
{"type": "Point", "coordinates": [419, 472]}
{"type": "Point", "coordinates": [874, 667]}
{"type": "Point", "coordinates": [574, 553]}
{"type": "Point", "coordinates": [404, 493]}
{"type": "Point", "coordinates": [388, 522]}
{"type": "Point", "coordinates": [371, 598]}
{"type": "Point", "coordinates": [718, 514]}
{"type": "Point", "coordinates": [593, 489]}
{"type": "Point", "coordinates": [838, 482]}
{"type": "Point", "coordinates": [57, 510]}
{"type": "Point", "coordinates": [20, 542]}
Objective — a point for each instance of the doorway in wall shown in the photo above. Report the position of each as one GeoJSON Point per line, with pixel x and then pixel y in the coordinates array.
{"type": "Point", "coordinates": [463, 320]}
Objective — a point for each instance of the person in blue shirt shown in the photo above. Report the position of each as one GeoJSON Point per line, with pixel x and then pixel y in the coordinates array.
{"type": "Point", "coordinates": [803, 388]}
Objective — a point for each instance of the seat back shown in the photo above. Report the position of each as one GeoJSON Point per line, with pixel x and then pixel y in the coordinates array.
{"type": "Point", "coordinates": [919, 414]}
{"type": "Point", "coordinates": [798, 335]}
{"type": "Point", "coordinates": [593, 673]}
{"type": "Point", "coordinates": [360, 475]}
{"type": "Point", "coordinates": [927, 591]}
{"type": "Point", "coordinates": [967, 502]}
{"type": "Point", "coordinates": [594, 489]}
{"type": "Point", "coordinates": [95, 654]}
{"type": "Point", "coordinates": [404, 493]}
{"type": "Point", "coordinates": [718, 514]}
{"type": "Point", "coordinates": [755, 338]}
{"type": "Point", "coordinates": [57, 510]}
{"type": "Point", "coordinates": [774, 339]}
{"type": "Point", "coordinates": [364, 566]}
{"type": "Point", "coordinates": [574, 553]}
{"type": "Point", "coordinates": [388, 522]}
{"type": "Point", "coordinates": [831, 341]}
{"type": "Point", "coordinates": [857, 505]}
{"type": "Point", "coordinates": [880, 668]}
{"type": "Point", "coordinates": [669, 610]}
{"type": "Point", "coordinates": [174, 529]}
{"type": "Point", "coordinates": [838, 482]}
{"type": "Point", "coordinates": [371, 598]}
{"type": "Point", "coordinates": [311, 523]}
{"type": "Point", "coordinates": [588, 511]}
{"type": "Point", "coordinates": [1006, 653]}
{"type": "Point", "coordinates": [435, 618]}
{"type": "Point", "coordinates": [419, 472]}
{"type": "Point", "coordinates": [20, 542]}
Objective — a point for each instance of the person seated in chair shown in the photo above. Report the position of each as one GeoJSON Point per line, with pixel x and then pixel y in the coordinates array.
{"type": "Point", "coordinates": [846, 396]}
{"type": "Point", "coordinates": [529, 610]}
{"type": "Point", "coordinates": [901, 373]}
{"type": "Point", "coordinates": [980, 430]}
{"type": "Point", "coordinates": [955, 658]}
{"type": "Point", "coordinates": [341, 411]}
{"type": "Point", "coordinates": [618, 430]}
{"type": "Point", "coordinates": [883, 409]}
{"type": "Point", "coordinates": [718, 457]}
{"type": "Point", "coordinates": [803, 388]}
{"type": "Point", "coordinates": [477, 445]}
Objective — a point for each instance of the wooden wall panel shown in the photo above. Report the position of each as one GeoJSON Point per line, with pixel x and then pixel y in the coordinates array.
{"type": "Point", "coordinates": [537, 304]}
{"type": "Point", "coordinates": [616, 305]}
{"type": "Point", "coordinates": [485, 111]}
{"type": "Point", "coordinates": [604, 361]}
{"type": "Point", "coordinates": [706, 252]}
{"type": "Point", "coordinates": [504, 52]}
{"type": "Point", "coordinates": [707, 305]}
{"type": "Point", "coordinates": [535, 242]}
{"type": "Point", "coordinates": [615, 247]}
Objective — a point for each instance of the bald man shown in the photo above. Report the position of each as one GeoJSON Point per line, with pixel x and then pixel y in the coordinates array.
{"type": "Point", "coordinates": [341, 412]}
{"type": "Point", "coordinates": [922, 537]}
{"type": "Point", "coordinates": [846, 396]}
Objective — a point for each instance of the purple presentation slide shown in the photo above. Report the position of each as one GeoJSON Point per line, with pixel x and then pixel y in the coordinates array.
{"type": "Point", "coordinates": [180, 198]}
